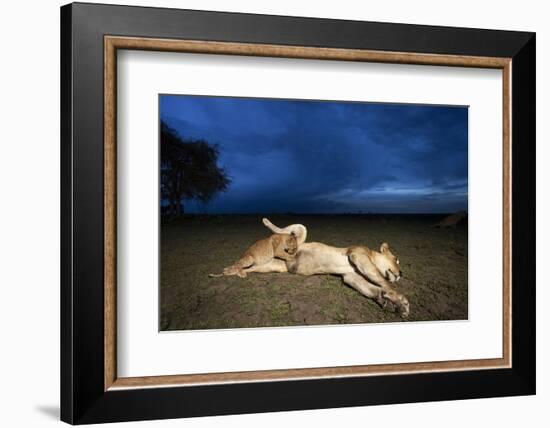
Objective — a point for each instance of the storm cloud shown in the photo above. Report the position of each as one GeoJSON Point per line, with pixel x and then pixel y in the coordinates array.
{"type": "Point", "coordinates": [329, 157]}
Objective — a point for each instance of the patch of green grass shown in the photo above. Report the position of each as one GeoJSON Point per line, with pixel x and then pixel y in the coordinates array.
{"type": "Point", "coordinates": [279, 312]}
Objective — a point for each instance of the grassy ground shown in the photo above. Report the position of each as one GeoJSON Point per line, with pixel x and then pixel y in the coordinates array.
{"type": "Point", "coordinates": [434, 264]}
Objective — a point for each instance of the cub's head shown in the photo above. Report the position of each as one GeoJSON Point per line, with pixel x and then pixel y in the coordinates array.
{"type": "Point", "coordinates": [387, 263]}
{"type": "Point", "coordinates": [284, 245]}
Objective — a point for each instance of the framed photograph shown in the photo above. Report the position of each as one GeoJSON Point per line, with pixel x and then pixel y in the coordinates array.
{"type": "Point", "coordinates": [266, 213]}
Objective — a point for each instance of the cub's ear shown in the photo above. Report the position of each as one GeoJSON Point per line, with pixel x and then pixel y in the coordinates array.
{"type": "Point", "coordinates": [384, 248]}
{"type": "Point", "coordinates": [276, 240]}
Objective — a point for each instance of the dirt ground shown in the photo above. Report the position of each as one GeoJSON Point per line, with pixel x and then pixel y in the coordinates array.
{"type": "Point", "coordinates": [434, 263]}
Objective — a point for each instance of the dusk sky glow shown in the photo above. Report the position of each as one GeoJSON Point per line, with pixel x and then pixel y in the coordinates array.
{"type": "Point", "coordinates": [294, 156]}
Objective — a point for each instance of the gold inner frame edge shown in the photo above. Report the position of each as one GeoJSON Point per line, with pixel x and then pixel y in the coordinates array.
{"type": "Point", "coordinates": [113, 43]}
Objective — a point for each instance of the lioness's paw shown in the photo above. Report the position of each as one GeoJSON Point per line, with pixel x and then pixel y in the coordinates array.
{"type": "Point", "coordinates": [399, 301]}
{"type": "Point", "coordinates": [385, 303]}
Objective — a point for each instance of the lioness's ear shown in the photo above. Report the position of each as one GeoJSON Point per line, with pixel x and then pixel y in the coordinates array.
{"type": "Point", "coordinates": [384, 247]}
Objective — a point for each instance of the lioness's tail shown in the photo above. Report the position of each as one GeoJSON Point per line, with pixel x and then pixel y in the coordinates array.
{"type": "Point", "coordinates": [298, 230]}
{"type": "Point", "coordinates": [272, 227]}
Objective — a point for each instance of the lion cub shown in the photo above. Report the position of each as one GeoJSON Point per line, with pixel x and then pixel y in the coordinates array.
{"type": "Point", "coordinates": [262, 252]}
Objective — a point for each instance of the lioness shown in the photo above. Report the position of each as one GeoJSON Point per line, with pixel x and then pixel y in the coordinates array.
{"type": "Point", "coordinates": [260, 254]}
{"type": "Point", "coordinates": [368, 271]}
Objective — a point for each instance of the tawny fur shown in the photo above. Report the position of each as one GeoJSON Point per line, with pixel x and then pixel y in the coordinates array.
{"type": "Point", "coordinates": [368, 271]}
{"type": "Point", "coordinates": [261, 253]}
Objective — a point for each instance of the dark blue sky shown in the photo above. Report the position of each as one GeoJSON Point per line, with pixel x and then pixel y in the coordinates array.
{"type": "Point", "coordinates": [329, 157]}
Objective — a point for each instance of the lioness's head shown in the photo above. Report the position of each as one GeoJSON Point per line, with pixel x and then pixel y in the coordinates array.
{"type": "Point", "coordinates": [387, 263]}
{"type": "Point", "coordinates": [284, 243]}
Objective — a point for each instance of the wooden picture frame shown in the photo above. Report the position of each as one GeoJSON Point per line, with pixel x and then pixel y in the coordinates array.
{"type": "Point", "coordinates": [91, 390]}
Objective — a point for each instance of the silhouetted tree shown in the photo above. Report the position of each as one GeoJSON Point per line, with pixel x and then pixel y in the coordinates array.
{"type": "Point", "coordinates": [189, 170]}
